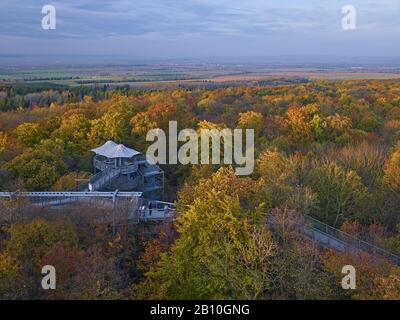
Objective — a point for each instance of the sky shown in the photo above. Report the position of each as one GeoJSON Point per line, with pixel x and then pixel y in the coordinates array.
{"type": "Point", "coordinates": [200, 28]}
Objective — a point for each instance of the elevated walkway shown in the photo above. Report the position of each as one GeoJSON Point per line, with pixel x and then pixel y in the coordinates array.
{"type": "Point", "coordinates": [340, 241]}
{"type": "Point", "coordinates": [100, 180]}
{"type": "Point", "coordinates": [337, 240]}
{"type": "Point", "coordinates": [138, 208]}
{"type": "Point", "coordinates": [136, 176]}
{"type": "Point", "coordinates": [144, 210]}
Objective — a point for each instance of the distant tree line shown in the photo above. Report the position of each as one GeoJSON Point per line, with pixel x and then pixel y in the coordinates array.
{"type": "Point", "coordinates": [24, 96]}
{"type": "Point", "coordinates": [43, 94]}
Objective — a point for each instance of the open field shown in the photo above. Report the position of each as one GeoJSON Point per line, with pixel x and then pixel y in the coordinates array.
{"type": "Point", "coordinates": [187, 74]}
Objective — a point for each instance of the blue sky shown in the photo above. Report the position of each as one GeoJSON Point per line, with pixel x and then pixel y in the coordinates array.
{"type": "Point", "coordinates": [201, 28]}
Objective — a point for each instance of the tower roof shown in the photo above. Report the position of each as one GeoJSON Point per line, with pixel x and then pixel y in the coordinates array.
{"type": "Point", "coordinates": [112, 150]}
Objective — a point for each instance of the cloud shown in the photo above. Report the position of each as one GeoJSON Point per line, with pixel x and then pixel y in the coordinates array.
{"type": "Point", "coordinates": [175, 20]}
{"type": "Point", "coordinates": [217, 17]}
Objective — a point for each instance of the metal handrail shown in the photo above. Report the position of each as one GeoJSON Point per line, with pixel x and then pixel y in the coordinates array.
{"type": "Point", "coordinates": [350, 240]}
{"type": "Point", "coordinates": [102, 178]}
{"type": "Point", "coordinates": [95, 194]}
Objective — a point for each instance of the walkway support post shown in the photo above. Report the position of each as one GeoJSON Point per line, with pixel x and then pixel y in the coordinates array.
{"type": "Point", "coordinates": [114, 201]}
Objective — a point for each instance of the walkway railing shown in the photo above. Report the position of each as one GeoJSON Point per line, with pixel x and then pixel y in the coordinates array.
{"type": "Point", "coordinates": [318, 231]}
{"type": "Point", "coordinates": [103, 178]}
{"type": "Point", "coordinates": [143, 210]}
{"type": "Point", "coordinates": [341, 241]}
{"type": "Point", "coordinates": [156, 210]}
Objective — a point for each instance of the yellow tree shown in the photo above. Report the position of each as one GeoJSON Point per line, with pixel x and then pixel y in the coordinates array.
{"type": "Point", "coordinates": [298, 126]}
{"type": "Point", "coordinates": [340, 192]}
{"type": "Point", "coordinates": [392, 171]}
{"type": "Point", "coordinates": [278, 174]}
{"type": "Point", "coordinates": [30, 134]}
{"type": "Point", "coordinates": [224, 248]}
{"type": "Point", "coordinates": [9, 268]}
{"type": "Point", "coordinates": [73, 132]}
{"type": "Point", "coordinates": [375, 278]}
{"type": "Point", "coordinates": [39, 169]}
{"type": "Point", "coordinates": [252, 120]}
{"type": "Point", "coordinates": [3, 141]}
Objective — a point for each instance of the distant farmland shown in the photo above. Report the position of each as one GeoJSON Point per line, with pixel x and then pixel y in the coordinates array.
{"type": "Point", "coordinates": [139, 76]}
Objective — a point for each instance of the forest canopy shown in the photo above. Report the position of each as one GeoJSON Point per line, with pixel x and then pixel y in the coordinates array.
{"type": "Point", "coordinates": [325, 149]}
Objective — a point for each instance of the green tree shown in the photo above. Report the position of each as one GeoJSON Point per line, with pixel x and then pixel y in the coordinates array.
{"type": "Point", "coordinates": [113, 125]}
{"type": "Point", "coordinates": [278, 174]}
{"type": "Point", "coordinates": [70, 181]}
{"type": "Point", "coordinates": [340, 193]}
{"type": "Point", "coordinates": [391, 178]}
{"type": "Point", "coordinates": [9, 268]}
{"type": "Point", "coordinates": [30, 134]}
{"type": "Point", "coordinates": [3, 141]}
{"type": "Point", "coordinates": [252, 120]}
{"type": "Point", "coordinates": [369, 122]}
{"type": "Point", "coordinates": [73, 132]}
{"type": "Point", "coordinates": [223, 251]}
{"type": "Point", "coordinates": [29, 242]}
{"type": "Point", "coordinates": [39, 169]}
{"type": "Point", "coordinates": [26, 245]}
{"type": "Point", "coordinates": [389, 193]}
